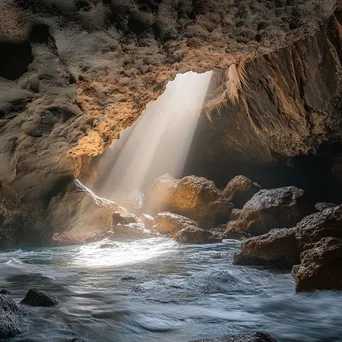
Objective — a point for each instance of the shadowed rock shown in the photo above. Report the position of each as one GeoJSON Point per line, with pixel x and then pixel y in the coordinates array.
{"type": "Point", "coordinates": [275, 208]}
{"type": "Point", "coordinates": [320, 206]}
{"type": "Point", "coordinates": [320, 267]}
{"type": "Point", "coordinates": [240, 189]}
{"type": "Point", "coordinates": [10, 317]}
{"type": "Point", "coordinates": [36, 297]}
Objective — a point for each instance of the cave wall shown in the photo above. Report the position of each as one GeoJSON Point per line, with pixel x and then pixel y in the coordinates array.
{"type": "Point", "coordinates": [75, 73]}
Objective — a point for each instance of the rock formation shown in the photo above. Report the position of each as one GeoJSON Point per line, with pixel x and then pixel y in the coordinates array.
{"type": "Point", "coordinates": [74, 74]}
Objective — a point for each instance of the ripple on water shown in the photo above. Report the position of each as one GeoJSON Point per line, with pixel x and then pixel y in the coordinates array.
{"type": "Point", "coordinates": [159, 290]}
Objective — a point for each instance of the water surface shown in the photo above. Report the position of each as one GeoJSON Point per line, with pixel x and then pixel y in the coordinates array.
{"type": "Point", "coordinates": [160, 290]}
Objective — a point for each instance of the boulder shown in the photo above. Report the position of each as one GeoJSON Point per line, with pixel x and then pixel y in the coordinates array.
{"type": "Point", "coordinates": [320, 206]}
{"type": "Point", "coordinates": [240, 190]}
{"type": "Point", "coordinates": [10, 317]}
{"type": "Point", "coordinates": [278, 248]}
{"type": "Point", "coordinates": [170, 224]}
{"type": "Point", "coordinates": [248, 337]}
{"type": "Point", "coordinates": [129, 227]}
{"type": "Point", "coordinates": [236, 230]}
{"type": "Point", "coordinates": [234, 214]}
{"type": "Point", "coordinates": [197, 235]}
{"type": "Point", "coordinates": [275, 208]}
{"type": "Point", "coordinates": [147, 220]}
{"type": "Point", "coordinates": [320, 267]}
{"type": "Point", "coordinates": [36, 297]}
{"type": "Point", "coordinates": [195, 197]}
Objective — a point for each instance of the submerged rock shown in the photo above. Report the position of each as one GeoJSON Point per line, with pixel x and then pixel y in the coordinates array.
{"type": "Point", "coordinates": [240, 190]}
{"type": "Point", "coordinates": [36, 297]}
{"type": "Point", "coordinates": [170, 224]}
{"type": "Point", "coordinates": [275, 208]}
{"type": "Point", "coordinates": [107, 245]}
{"type": "Point", "coordinates": [195, 197]}
{"type": "Point", "coordinates": [10, 317]}
{"type": "Point", "coordinates": [5, 292]}
{"type": "Point", "coordinates": [320, 267]}
{"type": "Point", "coordinates": [197, 235]}
{"type": "Point", "coordinates": [248, 337]}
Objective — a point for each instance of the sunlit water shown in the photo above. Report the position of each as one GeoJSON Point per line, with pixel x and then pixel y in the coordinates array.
{"type": "Point", "coordinates": [159, 290]}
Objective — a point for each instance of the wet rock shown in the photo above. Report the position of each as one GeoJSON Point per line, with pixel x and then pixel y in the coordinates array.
{"type": "Point", "coordinates": [240, 190]}
{"type": "Point", "coordinates": [36, 297]}
{"type": "Point", "coordinates": [119, 218]}
{"type": "Point", "coordinates": [107, 245]}
{"type": "Point", "coordinates": [278, 248]}
{"type": "Point", "coordinates": [320, 206]}
{"type": "Point", "coordinates": [10, 317]}
{"type": "Point", "coordinates": [313, 228]}
{"type": "Point", "coordinates": [170, 224]}
{"type": "Point", "coordinates": [196, 235]}
{"type": "Point", "coordinates": [195, 197]}
{"type": "Point", "coordinates": [275, 208]}
{"type": "Point", "coordinates": [249, 337]}
{"type": "Point", "coordinates": [5, 292]}
{"type": "Point", "coordinates": [147, 220]}
{"type": "Point", "coordinates": [236, 230]}
{"type": "Point", "coordinates": [321, 266]}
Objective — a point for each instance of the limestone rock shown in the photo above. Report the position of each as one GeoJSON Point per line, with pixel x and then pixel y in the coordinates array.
{"type": "Point", "coordinates": [191, 196]}
{"type": "Point", "coordinates": [248, 337]}
{"type": "Point", "coordinates": [170, 224]}
{"type": "Point", "coordinates": [240, 190]}
{"type": "Point", "coordinates": [320, 267]}
{"type": "Point", "coordinates": [197, 236]}
{"type": "Point", "coordinates": [275, 208]}
{"type": "Point", "coordinates": [10, 317]}
{"type": "Point", "coordinates": [36, 297]}
{"type": "Point", "coordinates": [236, 230]}
{"type": "Point", "coordinates": [147, 220]}
{"type": "Point", "coordinates": [278, 248]}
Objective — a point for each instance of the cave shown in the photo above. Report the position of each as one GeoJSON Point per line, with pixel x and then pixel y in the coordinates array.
{"type": "Point", "coordinates": [170, 170]}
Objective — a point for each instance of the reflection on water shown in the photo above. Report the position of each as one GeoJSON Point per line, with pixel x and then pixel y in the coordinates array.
{"type": "Point", "coordinates": [159, 290]}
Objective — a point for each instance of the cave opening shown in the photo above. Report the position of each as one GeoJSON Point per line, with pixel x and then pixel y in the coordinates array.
{"type": "Point", "coordinates": [170, 137]}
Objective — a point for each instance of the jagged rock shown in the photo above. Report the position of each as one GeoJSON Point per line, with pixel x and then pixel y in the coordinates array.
{"type": "Point", "coordinates": [5, 292]}
{"type": "Point", "coordinates": [320, 267]}
{"type": "Point", "coordinates": [240, 189]}
{"type": "Point", "coordinates": [278, 248]}
{"type": "Point", "coordinates": [275, 208]}
{"type": "Point", "coordinates": [191, 196]}
{"type": "Point", "coordinates": [235, 214]}
{"type": "Point", "coordinates": [10, 317]}
{"type": "Point", "coordinates": [170, 224]}
{"type": "Point", "coordinates": [197, 235]}
{"type": "Point", "coordinates": [147, 220]}
{"type": "Point", "coordinates": [320, 206]}
{"type": "Point", "coordinates": [327, 223]}
{"type": "Point", "coordinates": [248, 337]}
{"type": "Point", "coordinates": [236, 230]}
{"type": "Point", "coordinates": [36, 297]}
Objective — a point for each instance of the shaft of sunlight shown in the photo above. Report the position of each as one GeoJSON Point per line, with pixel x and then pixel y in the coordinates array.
{"type": "Point", "coordinates": [160, 140]}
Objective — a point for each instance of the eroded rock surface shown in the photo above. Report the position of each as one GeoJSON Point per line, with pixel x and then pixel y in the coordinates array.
{"type": "Point", "coordinates": [195, 197]}
{"type": "Point", "coordinates": [320, 266]}
{"type": "Point", "coordinates": [10, 317]}
{"type": "Point", "coordinates": [275, 208]}
{"type": "Point", "coordinates": [240, 190]}
{"type": "Point", "coordinates": [36, 297]}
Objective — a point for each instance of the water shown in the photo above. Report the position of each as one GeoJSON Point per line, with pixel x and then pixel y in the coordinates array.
{"type": "Point", "coordinates": [159, 290]}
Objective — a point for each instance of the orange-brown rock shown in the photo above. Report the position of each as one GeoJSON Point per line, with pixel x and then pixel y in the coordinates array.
{"type": "Point", "coordinates": [194, 197]}
{"type": "Point", "coordinates": [240, 189]}
{"type": "Point", "coordinates": [170, 224]}
{"type": "Point", "coordinates": [320, 266]}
